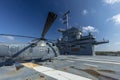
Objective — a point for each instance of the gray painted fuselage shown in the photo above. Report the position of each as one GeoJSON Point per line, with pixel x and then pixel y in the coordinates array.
{"type": "Point", "coordinates": [40, 51]}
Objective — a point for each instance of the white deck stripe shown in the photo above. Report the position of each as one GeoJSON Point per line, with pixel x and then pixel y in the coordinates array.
{"type": "Point", "coordinates": [102, 60]}
{"type": "Point", "coordinates": [59, 75]}
{"type": "Point", "coordinates": [99, 61]}
{"type": "Point", "coordinates": [91, 65]}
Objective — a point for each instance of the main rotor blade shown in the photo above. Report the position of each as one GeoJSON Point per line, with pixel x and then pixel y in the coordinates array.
{"type": "Point", "coordinates": [17, 35]}
{"type": "Point", "coordinates": [25, 48]}
{"type": "Point", "coordinates": [19, 52]}
{"type": "Point", "coordinates": [50, 19]}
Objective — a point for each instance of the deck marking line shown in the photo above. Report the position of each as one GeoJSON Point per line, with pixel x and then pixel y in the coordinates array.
{"type": "Point", "coordinates": [99, 61]}
{"type": "Point", "coordinates": [56, 74]}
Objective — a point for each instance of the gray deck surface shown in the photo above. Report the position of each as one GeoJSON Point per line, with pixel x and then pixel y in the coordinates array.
{"type": "Point", "coordinates": [93, 67]}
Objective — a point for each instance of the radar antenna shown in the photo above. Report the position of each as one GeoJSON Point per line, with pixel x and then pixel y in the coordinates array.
{"type": "Point", "coordinates": [65, 18]}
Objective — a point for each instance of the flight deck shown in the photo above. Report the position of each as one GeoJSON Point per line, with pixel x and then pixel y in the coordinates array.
{"type": "Point", "coordinates": [86, 67]}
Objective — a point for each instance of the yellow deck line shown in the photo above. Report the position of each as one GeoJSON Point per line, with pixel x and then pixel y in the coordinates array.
{"type": "Point", "coordinates": [30, 65]}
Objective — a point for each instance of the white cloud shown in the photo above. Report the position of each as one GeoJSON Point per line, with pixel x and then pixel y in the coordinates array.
{"type": "Point", "coordinates": [84, 12]}
{"type": "Point", "coordinates": [111, 1]}
{"type": "Point", "coordinates": [8, 37]}
{"type": "Point", "coordinates": [89, 29]}
{"type": "Point", "coordinates": [115, 19]}
{"type": "Point", "coordinates": [117, 43]}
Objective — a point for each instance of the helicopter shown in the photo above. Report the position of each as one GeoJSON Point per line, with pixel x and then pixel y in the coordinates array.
{"type": "Point", "coordinates": [39, 49]}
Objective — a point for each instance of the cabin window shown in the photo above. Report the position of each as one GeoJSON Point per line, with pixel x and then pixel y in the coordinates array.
{"type": "Point", "coordinates": [34, 45]}
{"type": "Point", "coordinates": [53, 44]}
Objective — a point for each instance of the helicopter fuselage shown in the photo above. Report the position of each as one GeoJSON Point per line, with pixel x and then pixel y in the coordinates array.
{"type": "Point", "coordinates": [42, 50]}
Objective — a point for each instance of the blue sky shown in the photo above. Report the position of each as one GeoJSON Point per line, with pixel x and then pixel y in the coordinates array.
{"type": "Point", "coordinates": [27, 17]}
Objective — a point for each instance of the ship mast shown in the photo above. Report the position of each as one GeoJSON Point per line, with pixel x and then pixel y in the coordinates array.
{"type": "Point", "coordinates": [65, 19]}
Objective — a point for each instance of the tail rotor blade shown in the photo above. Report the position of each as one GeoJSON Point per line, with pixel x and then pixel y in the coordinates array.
{"type": "Point", "coordinates": [50, 19]}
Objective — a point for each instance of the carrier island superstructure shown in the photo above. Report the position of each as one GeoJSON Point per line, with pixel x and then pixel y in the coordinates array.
{"type": "Point", "coordinates": [74, 42]}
